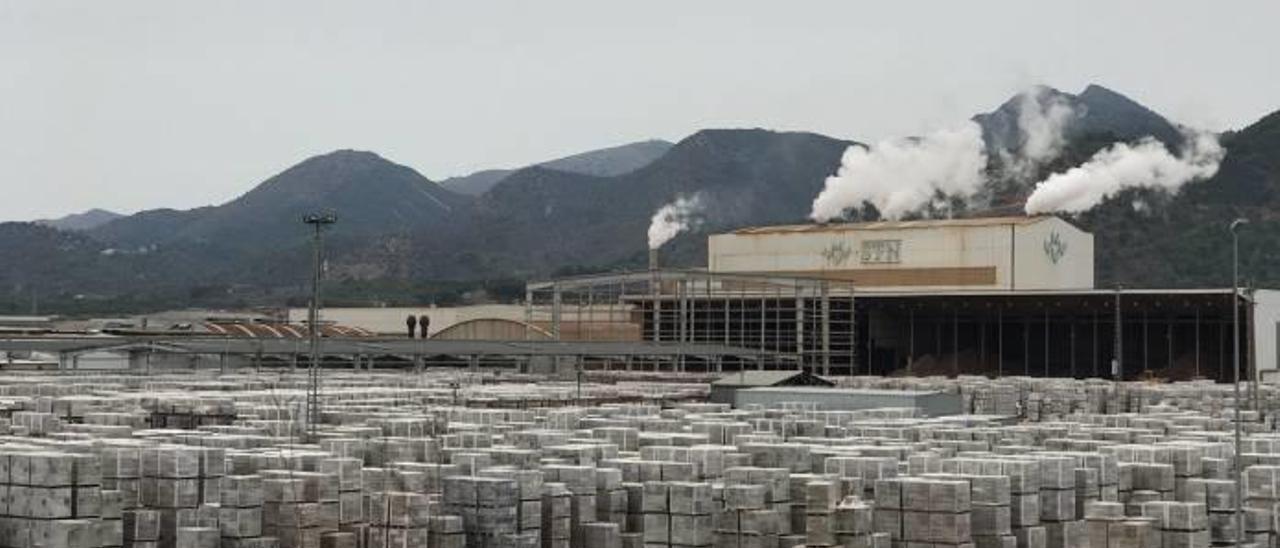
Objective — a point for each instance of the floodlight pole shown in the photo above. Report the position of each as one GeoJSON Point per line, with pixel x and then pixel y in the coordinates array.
{"type": "Point", "coordinates": [318, 222]}
{"type": "Point", "coordinates": [1235, 362]}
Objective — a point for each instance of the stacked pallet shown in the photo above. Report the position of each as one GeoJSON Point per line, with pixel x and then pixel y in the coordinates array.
{"type": "Point", "coordinates": [1058, 503]}
{"type": "Point", "coordinates": [1182, 524]}
{"type": "Point", "coordinates": [557, 516]}
{"type": "Point", "coordinates": [399, 520]}
{"type": "Point", "coordinates": [488, 508]}
{"type": "Point", "coordinates": [678, 514]}
{"type": "Point", "coordinates": [240, 511]}
{"type": "Point", "coordinates": [821, 501]}
{"type": "Point", "coordinates": [529, 487]}
{"type": "Point", "coordinates": [50, 499]}
{"type": "Point", "coordinates": [923, 510]}
{"type": "Point", "coordinates": [581, 483]}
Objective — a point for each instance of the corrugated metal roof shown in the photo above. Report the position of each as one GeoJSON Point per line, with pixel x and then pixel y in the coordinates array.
{"type": "Point", "coordinates": [894, 225]}
{"type": "Point", "coordinates": [761, 378]}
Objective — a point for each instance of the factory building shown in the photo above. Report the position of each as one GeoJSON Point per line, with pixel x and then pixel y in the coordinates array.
{"type": "Point", "coordinates": [996, 296]}
{"type": "Point", "coordinates": [1004, 253]}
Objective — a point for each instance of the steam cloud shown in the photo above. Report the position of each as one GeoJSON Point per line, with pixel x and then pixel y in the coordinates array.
{"type": "Point", "coordinates": [672, 219]}
{"type": "Point", "coordinates": [1147, 164]}
{"type": "Point", "coordinates": [899, 176]}
{"type": "Point", "coordinates": [1042, 121]}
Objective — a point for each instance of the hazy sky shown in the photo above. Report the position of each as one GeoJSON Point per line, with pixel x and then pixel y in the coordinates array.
{"type": "Point", "coordinates": [131, 105]}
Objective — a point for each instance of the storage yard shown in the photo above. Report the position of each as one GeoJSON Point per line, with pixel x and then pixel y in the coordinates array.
{"type": "Point", "coordinates": [459, 459]}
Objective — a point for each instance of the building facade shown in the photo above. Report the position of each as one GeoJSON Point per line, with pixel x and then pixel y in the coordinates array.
{"type": "Point", "coordinates": [1003, 253]}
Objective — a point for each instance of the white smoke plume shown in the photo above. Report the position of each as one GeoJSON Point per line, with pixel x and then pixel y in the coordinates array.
{"type": "Point", "coordinates": [1147, 164]}
{"type": "Point", "coordinates": [1042, 121]}
{"type": "Point", "coordinates": [899, 176]}
{"type": "Point", "coordinates": [676, 217]}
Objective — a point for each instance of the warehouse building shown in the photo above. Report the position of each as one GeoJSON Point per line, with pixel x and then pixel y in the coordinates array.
{"type": "Point", "coordinates": [995, 296]}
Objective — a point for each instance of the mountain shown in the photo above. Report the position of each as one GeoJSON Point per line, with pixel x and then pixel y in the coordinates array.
{"type": "Point", "coordinates": [1182, 240]}
{"type": "Point", "coordinates": [87, 220]}
{"type": "Point", "coordinates": [370, 195]}
{"type": "Point", "coordinates": [539, 219]}
{"type": "Point", "coordinates": [1096, 111]}
{"type": "Point", "coordinates": [608, 162]}
{"type": "Point", "coordinates": [476, 183]}
{"type": "Point", "coordinates": [400, 235]}
{"type": "Point", "coordinates": [605, 162]}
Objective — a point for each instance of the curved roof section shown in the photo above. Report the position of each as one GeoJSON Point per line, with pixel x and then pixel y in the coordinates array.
{"type": "Point", "coordinates": [493, 329]}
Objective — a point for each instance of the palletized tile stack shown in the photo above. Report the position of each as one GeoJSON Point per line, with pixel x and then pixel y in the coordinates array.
{"type": "Point", "coordinates": [581, 483]}
{"type": "Point", "coordinates": [298, 507]}
{"type": "Point", "coordinates": [398, 520]}
{"type": "Point", "coordinates": [240, 510]}
{"type": "Point", "coordinates": [557, 515]}
{"type": "Point", "coordinates": [1058, 503]}
{"type": "Point", "coordinates": [991, 518]}
{"type": "Point", "coordinates": [50, 499]}
{"type": "Point", "coordinates": [745, 520]}
{"type": "Point", "coordinates": [1181, 524]}
{"type": "Point", "coordinates": [821, 499]}
{"type": "Point", "coordinates": [529, 487]}
{"type": "Point", "coordinates": [1109, 528]}
{"type": "Point", "coordinates": [488, 507]}
{"type": "Point", "coordinates": [678, 513]}
{"type": "Point", "coordinates": [924, 511]}
{"type": "Point", "coordinates": [777, 492]}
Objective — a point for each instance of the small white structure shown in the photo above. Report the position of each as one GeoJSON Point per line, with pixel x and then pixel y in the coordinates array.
{"type": "Point", "coordinates": [1001, 253]}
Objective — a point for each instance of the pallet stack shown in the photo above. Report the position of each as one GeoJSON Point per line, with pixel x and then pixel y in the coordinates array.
{"type": "Point", "coordinates": [777, 490]}
{"type": "Point", "coordinates": [1181, 524]}
{"type": "Point", "coordinates": [399, 520]}
{"type": "Point", "coordinates": [991, 520]}
{"type": "Point", "coordinates": [611, 498]}
{"type": "Point", "coordinates": [821, 500]}
{"type": "Point", "coordinates": [51, 499]}
{"type": "Point", "coordinates": [348, 478]}
{"type": "Point", "coordinates": [745, 521]}
{"type": "Point", "coordinates": [1218, 496]}
{"type": "Point", "coordinates": [852, 525]}
{"type": "Point", "coordinates": [240, 511]}
{"type": "Point", "coordinates": [1058, 503]}
{"type": "Point", "coordinates": [487, 507]}
{"type": "Point", "coordinates": [529, 488]}
{"type": "Point", "coordinates": [678, 514]}
{"type": "Point", "coordinates": [581, 483]}
{"type": "Point", "coordinates": [122, 471]}
{"type": "Point", "coordinates": [923, 510]}
{"type": "Point", "coordinates": [557, 516]}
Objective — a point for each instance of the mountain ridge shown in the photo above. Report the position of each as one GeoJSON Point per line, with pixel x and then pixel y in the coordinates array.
{"type": "Point", "coordinates": [395, 224]}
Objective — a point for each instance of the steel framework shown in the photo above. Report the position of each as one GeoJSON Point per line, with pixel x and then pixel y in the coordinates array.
{"type": "Point", "coordinates": [789, 322]}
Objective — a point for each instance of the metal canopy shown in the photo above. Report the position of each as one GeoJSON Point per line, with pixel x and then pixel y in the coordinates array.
{"type": "Point", "coordinates": [363, 346]}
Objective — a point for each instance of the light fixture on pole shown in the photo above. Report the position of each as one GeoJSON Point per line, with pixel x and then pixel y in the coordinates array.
{"type": "Point", "coordinates": [318, 222]}
{"type": "Point", "coordinates": [1235, 366]}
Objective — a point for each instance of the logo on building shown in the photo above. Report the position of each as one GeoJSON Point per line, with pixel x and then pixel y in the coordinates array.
{"type": "Point", "coordinates": [837, 254]}
{"type": "Point", "coordinates": [881, 251]}
{"type": "Point", "coordinates": [1054, 247]}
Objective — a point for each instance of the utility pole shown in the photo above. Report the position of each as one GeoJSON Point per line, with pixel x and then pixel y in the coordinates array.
{"type": "Point", "coordinates": [318, 222]}
{"type": "Point", "coordinates": [1235, 362]}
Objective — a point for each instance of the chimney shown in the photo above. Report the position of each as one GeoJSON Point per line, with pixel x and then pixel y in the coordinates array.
{"type": "Point", "coordinates": [653, 258]}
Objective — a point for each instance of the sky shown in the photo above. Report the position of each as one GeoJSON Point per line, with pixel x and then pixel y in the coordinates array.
{"type": "Point", "coordinates": [140, 104]}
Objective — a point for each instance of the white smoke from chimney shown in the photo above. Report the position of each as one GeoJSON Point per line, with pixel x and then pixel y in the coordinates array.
{"type": "Point", "coordinates": [672, 219]}
{"type": "Point", "coordinates": [1147, 164]}
{"type": "Point", "coordinates": [899, 176]}
{"type": "Point", "coordinates": [1042, 120]}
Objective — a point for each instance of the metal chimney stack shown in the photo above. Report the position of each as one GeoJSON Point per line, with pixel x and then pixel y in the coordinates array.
{"type": "Point", "coordinates": [653, 259]}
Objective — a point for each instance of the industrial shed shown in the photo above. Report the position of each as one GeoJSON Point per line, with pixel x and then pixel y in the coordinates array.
{"type": "Point", "coordinates": [929, 403]}
{"type": "Point", "coordinates": [990, 296]}
{"type": "Point", "coordinates": [724, 389]}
